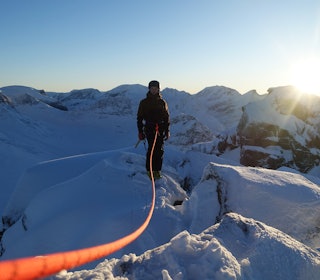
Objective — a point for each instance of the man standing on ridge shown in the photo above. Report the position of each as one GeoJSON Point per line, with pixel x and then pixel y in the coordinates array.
{"type": "Point", "coordinates": [153, 111]}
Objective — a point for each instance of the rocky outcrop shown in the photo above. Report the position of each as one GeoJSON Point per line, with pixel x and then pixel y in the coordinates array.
{"type": "Point", "coordinates": [187, 130]}
{"type": "Point", "coordinates": [281, 130]}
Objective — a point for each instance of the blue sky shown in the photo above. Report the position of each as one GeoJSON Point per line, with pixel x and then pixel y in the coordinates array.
{"type": "Point", "coordinates": [62, 45]}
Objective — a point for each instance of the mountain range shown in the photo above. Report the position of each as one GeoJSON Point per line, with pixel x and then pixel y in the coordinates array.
{"type": "Point", "coordinates": [240, 192]}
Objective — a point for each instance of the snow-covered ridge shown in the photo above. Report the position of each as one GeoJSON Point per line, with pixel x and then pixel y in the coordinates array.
{"type": "Point", "coordinates": [73, 178]}
{"type": "Point", "coordinates": [285, 119]}
{"type": "Point", "coordinates": [261, 252]}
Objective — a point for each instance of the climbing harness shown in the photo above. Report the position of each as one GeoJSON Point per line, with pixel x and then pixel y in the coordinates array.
{"type": "Point", "coordinates": [42, 266]}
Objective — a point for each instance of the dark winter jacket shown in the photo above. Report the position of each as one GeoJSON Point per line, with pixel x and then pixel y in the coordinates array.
{"type": "Point", "coordinates": [153, 110]}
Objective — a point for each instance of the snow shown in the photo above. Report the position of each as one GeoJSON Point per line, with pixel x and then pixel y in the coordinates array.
{"type": "Point", "coordinates": [283, 101]}
{"type": "Point", "coordinates": [236, 248]}
{"type": "Point", "coordinates": [73, 179]}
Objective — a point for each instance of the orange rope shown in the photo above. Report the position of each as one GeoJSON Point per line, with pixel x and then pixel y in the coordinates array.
{"type": "Point", "coordinates": [151, 155]}
{"type": "Point", "coordinates": [43, 266]}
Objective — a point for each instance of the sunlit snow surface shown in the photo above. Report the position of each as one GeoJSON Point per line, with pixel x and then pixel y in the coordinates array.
{"type": "Point", "coordinates": [80, 182]}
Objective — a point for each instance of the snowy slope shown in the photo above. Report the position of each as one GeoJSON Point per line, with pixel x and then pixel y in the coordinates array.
{"type": "Point", "coordinates": [235, 248]}
{"type": "Point", "coordinates": [99, 197]}
{"type": "Point", "coordinates": [301, 112]}
{"type": "Point", "coordinates": [77, 180]}
{"type": "Point", "coordinates": [289, 202]}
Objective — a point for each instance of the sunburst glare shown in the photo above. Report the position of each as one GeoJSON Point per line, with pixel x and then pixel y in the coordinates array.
{"type": "Point", "coordinates": [305, 75]}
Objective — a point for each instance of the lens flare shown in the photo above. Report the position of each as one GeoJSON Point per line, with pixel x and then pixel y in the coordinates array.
{"type": "Point", "coordinates": [306, 75]}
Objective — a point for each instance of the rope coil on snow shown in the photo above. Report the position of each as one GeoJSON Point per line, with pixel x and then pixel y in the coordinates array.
{"type": "Point", "coordinates": [43, 266]}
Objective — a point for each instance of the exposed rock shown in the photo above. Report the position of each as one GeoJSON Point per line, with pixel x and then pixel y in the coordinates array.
{"type": "Point", "coordinates": [281, 130]}
{"type": "Point", "coordinates": [187, 130]}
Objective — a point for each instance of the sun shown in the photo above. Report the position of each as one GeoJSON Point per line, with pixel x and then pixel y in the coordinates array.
{"type": "Point", "coordinates": [305, 75]}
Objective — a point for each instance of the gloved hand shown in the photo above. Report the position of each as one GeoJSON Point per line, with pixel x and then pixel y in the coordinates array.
{"type": "Point", "coordinates": [166, 135]}
{"type": "Point", "coordinates": [141, 136]}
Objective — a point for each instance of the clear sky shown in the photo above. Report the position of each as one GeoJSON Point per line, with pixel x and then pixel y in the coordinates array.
{"type": "Point", "coordinates": [60, 45]}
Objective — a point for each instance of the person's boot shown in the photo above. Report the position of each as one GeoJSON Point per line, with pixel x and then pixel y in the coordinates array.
{"type": "Point", "coordinates": [157, 175]}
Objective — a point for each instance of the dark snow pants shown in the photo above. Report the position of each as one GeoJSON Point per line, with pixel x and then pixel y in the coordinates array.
{"type": "Point", "coordinates": [158, 150]}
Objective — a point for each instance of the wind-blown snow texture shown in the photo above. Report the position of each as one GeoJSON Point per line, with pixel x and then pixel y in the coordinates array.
{"type": "Point", "coordinates": [71, 178]}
